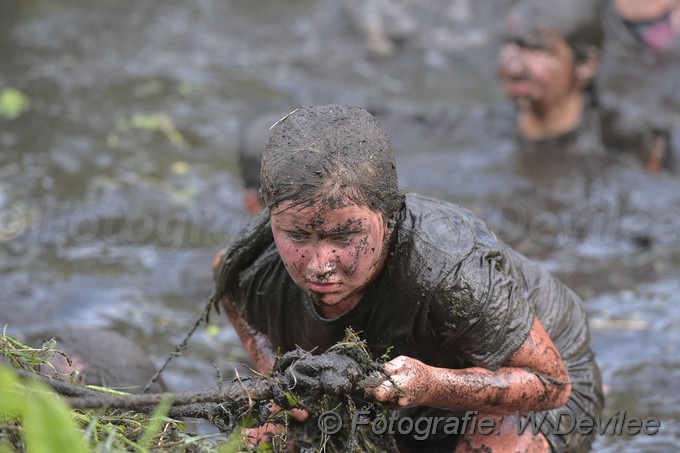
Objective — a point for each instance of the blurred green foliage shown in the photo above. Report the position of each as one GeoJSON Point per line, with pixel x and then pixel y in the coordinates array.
{"type": "Point", "coordinates": [12, 103]}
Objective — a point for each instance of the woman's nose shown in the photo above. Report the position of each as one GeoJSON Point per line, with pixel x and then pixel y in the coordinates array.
{"type": "Point", "coordinates": [322, 260]}
{"type": "Point", "coordinates": [510, 60]}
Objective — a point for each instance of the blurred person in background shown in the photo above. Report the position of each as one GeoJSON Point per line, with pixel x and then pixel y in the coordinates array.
{"type": "Point", "coordinates": [99, 357]}
{"type": "Point", "coordinates": [252, 143]}
{"type": "Point", "coordinates": [548, 66]}
{"type": "Point", "coordinates": [641, 63]}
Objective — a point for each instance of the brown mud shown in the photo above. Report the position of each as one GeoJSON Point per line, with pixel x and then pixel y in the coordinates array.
{"type": "Point", "coordinates": [110, 225]}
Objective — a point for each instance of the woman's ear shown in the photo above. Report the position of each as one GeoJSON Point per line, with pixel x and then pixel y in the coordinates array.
{"type": "Point", "coordinates": [587, 68]}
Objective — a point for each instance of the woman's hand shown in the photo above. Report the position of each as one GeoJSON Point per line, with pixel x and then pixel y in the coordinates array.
{"type": "Point", "coordinates": [261, 434]}
{"type": "Point", "coordinates": [413, 380]}
{"type": "Point", "coordinates": [252, 437]}
{"type": "Point", "coordinates": [534, 378]}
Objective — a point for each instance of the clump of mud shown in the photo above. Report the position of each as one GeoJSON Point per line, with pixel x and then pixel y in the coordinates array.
{"type": "Point", "coordinates": [330, 386]}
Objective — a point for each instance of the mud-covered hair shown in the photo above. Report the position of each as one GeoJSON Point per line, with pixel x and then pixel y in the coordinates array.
{"type": "Point", "coordinates": [336, 152]}
{"type": "Point", "coordinates": [578, 21]}
{"type": "Point", "coordinates": [253, 139]}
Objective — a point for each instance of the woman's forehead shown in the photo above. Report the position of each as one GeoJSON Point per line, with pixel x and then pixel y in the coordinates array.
{"type": "Point", "coordinates": [578, 22]}
{"type": "Point", "coordinates": [529, 34]}
{"type": "Point", "coordinates": [520, 25]}
{"type": "Point", "coordinates": [321, 215]}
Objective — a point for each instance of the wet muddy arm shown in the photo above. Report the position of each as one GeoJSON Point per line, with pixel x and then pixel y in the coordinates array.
{"type": "Point", "coordinates": [256, 343]}
{"type": "Point", "coordinates": [534, 379]}
{"type": "Point", "coordinates": [260, 351]}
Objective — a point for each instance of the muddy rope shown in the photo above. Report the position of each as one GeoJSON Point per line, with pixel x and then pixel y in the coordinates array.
{"type": "Point", "coordinates": [182, 346]}
{"type": "Point", "coordinates": [316, 383]}
{"type": "Point", "coordinates": [337, 372]}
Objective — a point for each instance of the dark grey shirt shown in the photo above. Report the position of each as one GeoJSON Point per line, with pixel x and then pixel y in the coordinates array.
{"type": "Point", "coordinates": [450, 295]}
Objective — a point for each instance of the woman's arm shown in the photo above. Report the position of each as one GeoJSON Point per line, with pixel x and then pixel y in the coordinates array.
{"type": "Point", "coordinates": [260, 350]}
{"type": "Point", "coordinates": [535, 378]}
{"type": "Point", "coordinates": [257, 344]}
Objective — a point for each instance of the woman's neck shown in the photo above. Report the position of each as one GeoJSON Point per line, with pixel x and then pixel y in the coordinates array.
{"type": "Point", "coordinates": [537, 124]}
{"type": "Point", "coordinates": [335, 311]}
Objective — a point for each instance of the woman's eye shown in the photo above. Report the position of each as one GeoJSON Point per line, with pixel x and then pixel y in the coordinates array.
{"type": "Point", "coordinates": [533, 46]}
{"type": "Point", "coordinates": [297, 237]}
{"type": "Point", "coordinates": [344, 239]}
{"type": "Point", "coordinates": [527, 43]}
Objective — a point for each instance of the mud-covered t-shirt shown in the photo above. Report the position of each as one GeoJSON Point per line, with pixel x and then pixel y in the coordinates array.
{"type": "Point", "coordinates": [449, 295]}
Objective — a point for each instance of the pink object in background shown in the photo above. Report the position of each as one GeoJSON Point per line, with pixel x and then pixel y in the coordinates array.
{"type": "Point", "coordinates": [658, 35]}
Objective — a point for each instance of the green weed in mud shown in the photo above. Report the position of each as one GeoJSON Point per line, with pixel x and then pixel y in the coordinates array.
{"type": "Point", "coordinates": [33, 418]}
{"type": "Point", "coordinates": [45, 419]}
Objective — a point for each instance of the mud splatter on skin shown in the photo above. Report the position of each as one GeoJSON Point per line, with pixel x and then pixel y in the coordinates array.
{"type": "Point", "coordinates": [332, 254]}
{"type": "Point", "coordinates": [534, 378]}
{"type": "Point", "coordinates": [327, 159]}
{"type": "Point", "coordinates": [352, 226]}
{"type": "Point", "coordinates": [349, 229]}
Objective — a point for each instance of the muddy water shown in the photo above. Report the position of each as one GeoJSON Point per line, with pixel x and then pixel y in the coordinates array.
{"type": "Point", "coordinates": [120, 181]}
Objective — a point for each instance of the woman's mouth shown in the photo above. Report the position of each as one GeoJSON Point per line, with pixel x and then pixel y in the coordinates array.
{"type": "Point", "coordinates": [517, 90]}
{"type": "Point", "coordinates": [323, 288]}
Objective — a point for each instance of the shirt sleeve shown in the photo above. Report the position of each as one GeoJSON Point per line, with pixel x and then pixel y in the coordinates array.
{"type": "Point", "coordinates": [478, 311]}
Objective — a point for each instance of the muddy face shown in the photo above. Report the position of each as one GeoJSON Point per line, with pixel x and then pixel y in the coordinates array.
{"type": "Point", "coordinates": [331, 253]}
{"type": "Point", "coordinates": [536, 69]}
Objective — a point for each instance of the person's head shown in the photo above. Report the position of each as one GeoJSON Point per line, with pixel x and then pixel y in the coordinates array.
{"type": "Point", "coordinates": [655, 22]}
{"type": "Point", "coordinates": [252, 143]}
{"type": "Point", "coordinates": [329, 179]}
{"type": "Point", "coordinates": [550, 56]}
{"type": "Point", "coordinates": [100, 357]}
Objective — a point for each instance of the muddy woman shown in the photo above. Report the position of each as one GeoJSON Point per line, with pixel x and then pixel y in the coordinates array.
{"type": "Point", "coordinates": [472, 325]}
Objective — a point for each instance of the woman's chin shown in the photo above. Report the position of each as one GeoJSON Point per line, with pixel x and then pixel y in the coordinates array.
{"type": "Point", "coordinates": [325, 299]}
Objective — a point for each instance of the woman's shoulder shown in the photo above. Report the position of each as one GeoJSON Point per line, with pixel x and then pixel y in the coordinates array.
{"type": "Point", "coordinates": [443, 222]}
{"type": "Point", "coordinates": [248, 251]}
{"type": "Point", "coordinates": [434, 236]}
